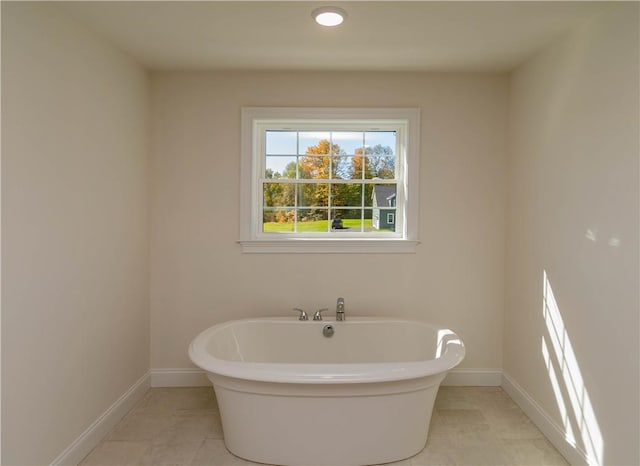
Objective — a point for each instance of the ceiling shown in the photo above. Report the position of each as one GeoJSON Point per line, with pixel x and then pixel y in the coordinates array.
{"type": "Point", "coordinates": [390, 36]}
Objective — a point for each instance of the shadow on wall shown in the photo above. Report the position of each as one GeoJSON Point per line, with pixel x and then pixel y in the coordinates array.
{"type": "Point", "coordinates": [579, 421]}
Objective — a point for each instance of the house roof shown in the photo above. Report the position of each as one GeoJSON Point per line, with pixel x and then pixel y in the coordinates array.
{"type": "Point", "coordinates": [383, 195]}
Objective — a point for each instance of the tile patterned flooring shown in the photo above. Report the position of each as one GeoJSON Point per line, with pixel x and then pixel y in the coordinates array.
{"type": "Point", "coordinates": [469, 426]}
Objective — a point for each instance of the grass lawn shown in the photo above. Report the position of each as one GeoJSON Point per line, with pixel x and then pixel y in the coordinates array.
{"type": "Point", "coordinates": [317, 226]}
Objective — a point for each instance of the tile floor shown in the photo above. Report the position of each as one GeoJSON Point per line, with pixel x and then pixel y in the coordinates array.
{"type": "Point", "coordinates": [181, 426]}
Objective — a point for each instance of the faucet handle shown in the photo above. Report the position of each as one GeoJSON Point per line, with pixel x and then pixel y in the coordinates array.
{"type": "Point", "coordinates": [318, 314]}
{"type": "Point", "coordinates": [303, 314]}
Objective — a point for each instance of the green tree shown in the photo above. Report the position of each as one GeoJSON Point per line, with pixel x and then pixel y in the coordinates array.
{"type": "Point", "coordinates": [381, 162]}
{"type": "Point", "coordinates": [277, 195]}
{"type": "Point", "coordinates": [289, 171]}
{"type": "Point", "coordinates": [378, 160]}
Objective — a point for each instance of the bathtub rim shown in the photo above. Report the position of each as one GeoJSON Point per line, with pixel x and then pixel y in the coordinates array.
{"type": "Point", "coordinates": [334, 373]}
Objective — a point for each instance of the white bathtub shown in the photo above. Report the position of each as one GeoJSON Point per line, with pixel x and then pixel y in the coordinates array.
{"type": "Point", "coordinates": [289, 395]}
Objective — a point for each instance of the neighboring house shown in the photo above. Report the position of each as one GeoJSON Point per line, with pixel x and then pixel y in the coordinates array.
{"type": "Point", "coordinates": [384, 207]}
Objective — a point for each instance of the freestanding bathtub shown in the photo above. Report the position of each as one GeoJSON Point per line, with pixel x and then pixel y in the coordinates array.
{"type": "Point", "coordinates": [290, 395]}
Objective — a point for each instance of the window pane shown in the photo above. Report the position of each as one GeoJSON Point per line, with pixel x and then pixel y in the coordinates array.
{"type": "Point", "coordinates": [347, 167]}
{"type": "Point", "coordinates": [278, 194]}
{"type": "Point", "coordinates": [281, 142]}
{"type": "Point", "coordinates": [313, 167]}
{"type": "Point", "coordinates": [347, 142]}
{"type": "Point", "coordinates": [346, 195]}
{"type": "Point", "coordinates": [357, 163]}
{"type": "Point", "coordinates": [341, 168]}
{"type": "Point", "coordinates": [312, 195]}
{"type": "Point", "coordinates": [380, 195]}
{"type": "Point", "coordinates": [380, 141]}
{"type": "Point", "coordinates": [278, 220]}
{"type": "Point", "coordinates": [343, 220]}
{"type": "Point", "coordinates": [312, 220]}
{"type": "Point", "coordinates": [314, 142]}
{"type": "Point", "coordinates": [280, 167]}
{"type": "Point", "coordinates": [384, 220]}
{"type": "Point", "coordinates": [380, 166]}
{"type": "Point", "coordinates": [383, 207]}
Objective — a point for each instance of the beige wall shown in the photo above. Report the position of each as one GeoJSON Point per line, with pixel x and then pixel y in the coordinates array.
{"type": "Point", "coordinates": [75, 323]}
{"type": "Point", "coordinates": [573, 214]}
{"type": "Point", "coordinates": [76, 327]}
{"type": "Point", "coordinates": [199, 276]}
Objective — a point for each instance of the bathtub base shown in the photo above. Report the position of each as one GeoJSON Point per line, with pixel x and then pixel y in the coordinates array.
{"type": "Point", "coordinates": [325, 424]}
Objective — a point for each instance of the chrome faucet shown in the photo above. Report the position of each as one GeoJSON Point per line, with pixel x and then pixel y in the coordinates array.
{"type": "Point", "coordinates": [340, 309]}
{"type": "Point", "coordinates": [303, 314]}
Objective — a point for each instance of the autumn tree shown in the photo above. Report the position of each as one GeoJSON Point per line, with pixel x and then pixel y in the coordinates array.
{"type": "Point", "coordinates": [316, 164]}
{"type": "Point", "coordinates": [322, 162]}
{"type": "Point", "coordinates": [318, 161]}
{"type": "Point", "coordinates": [376, 161]}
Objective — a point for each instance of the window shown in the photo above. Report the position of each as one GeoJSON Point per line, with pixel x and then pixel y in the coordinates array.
{"type": "Point", "coordinates": [391, 218]}
{"type": "Point", "coordinates": [329, 180]}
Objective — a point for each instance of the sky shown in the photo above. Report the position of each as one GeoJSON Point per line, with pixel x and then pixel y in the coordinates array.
{"type": "Point", "coordinates": [282, 146]}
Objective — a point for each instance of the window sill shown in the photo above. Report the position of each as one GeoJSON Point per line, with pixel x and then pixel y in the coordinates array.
{"type": "Point", "coordinates": [342, 246]}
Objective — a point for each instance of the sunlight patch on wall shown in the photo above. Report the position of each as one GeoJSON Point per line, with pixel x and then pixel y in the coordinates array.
{"type": "Point", "coordinates": [555, 384]}
{"type": "Point", "coordinates": [574, 404]}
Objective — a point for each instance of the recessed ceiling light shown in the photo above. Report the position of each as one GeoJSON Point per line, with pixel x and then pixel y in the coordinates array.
{"type": "Point", "coordinates": [329, 16]}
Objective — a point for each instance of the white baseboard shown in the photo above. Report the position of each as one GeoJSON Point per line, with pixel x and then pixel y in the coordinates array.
{"type": "Point", "coordinates": [543, 421]}
{"type": "Point", "coordinates": [191, 377]}
{"type": "Point", "coordinates": [180, 377]}
{"type": "Point", "coordinates": [188, 377]}
{"type": "Point", "coordinates": [92, 436]}
{"type": "Point", "coordinates": [473, 377]}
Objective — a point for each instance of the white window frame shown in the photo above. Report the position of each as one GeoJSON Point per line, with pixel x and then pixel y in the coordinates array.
{"type": "Point", "coordinates": [256, 119]}
{"type": "Point", "coordinates": [391, 218]}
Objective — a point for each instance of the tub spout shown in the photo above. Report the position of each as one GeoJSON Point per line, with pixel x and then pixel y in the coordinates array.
{"type": "Point", "coordinates": [340, 309]}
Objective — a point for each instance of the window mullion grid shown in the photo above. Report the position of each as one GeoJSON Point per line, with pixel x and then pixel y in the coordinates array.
{"type": "Point", "coordinates": [296, 184]}
{"type": "Point", "coordinates": [363, 194]}
{"type": "Point", "coordinates": [261, 176]}
{"type": "Point", "coordinates": [363, 181]}
{"type": "Point", "coordinates": [399, 178]}
{"type": "Point", "coordinates": [329, 197]}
